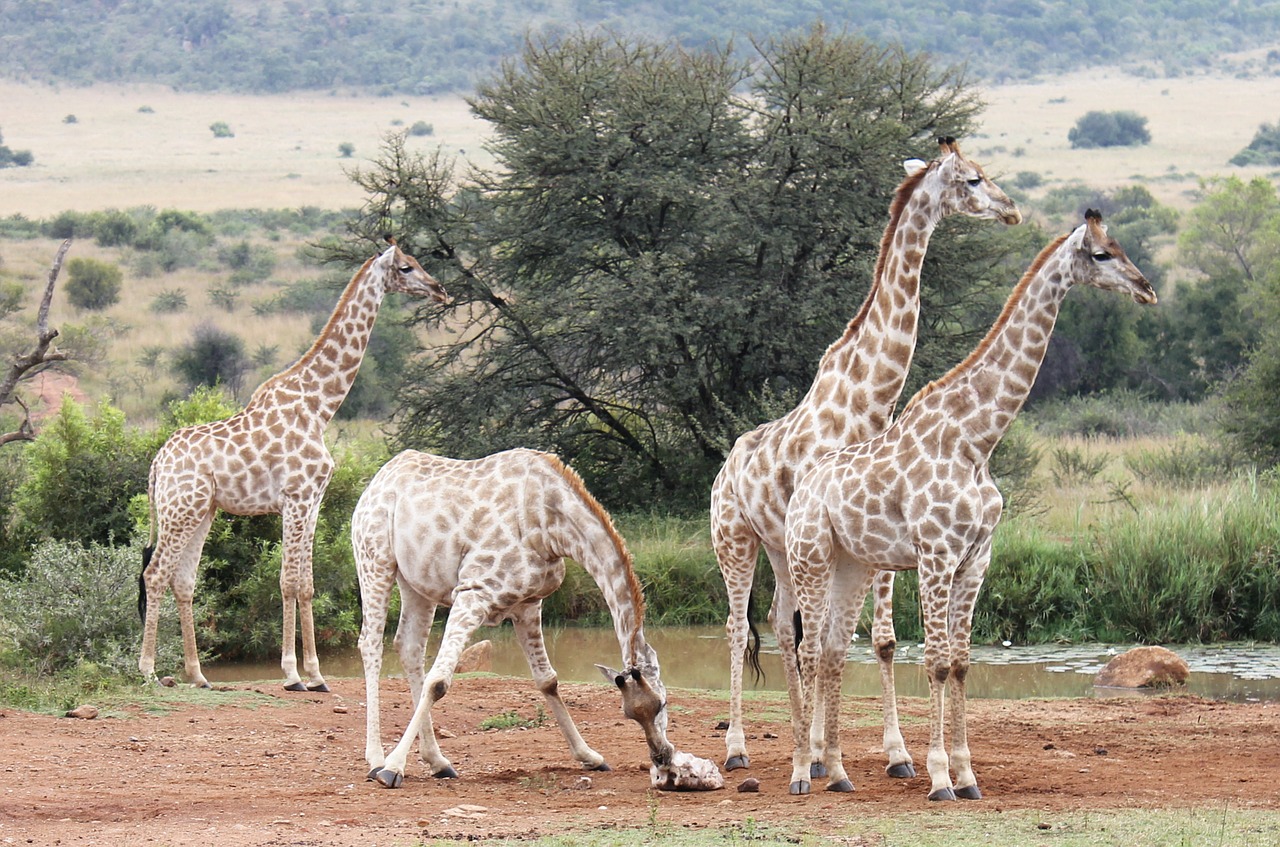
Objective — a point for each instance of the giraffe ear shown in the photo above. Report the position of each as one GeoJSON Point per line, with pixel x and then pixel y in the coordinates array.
{"type": "Point", "coordinates": [914, 166]}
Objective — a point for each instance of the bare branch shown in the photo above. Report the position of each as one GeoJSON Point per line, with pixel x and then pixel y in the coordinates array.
{"type": "Point", "coordinates": [28, 365]}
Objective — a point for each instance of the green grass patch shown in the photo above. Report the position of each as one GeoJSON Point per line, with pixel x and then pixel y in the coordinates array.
{"type": "Point", "coordinates": [512, 720]}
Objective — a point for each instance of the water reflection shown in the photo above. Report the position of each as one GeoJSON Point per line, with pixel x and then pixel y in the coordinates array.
{"type": "Point", "coordinates": [697, 657]}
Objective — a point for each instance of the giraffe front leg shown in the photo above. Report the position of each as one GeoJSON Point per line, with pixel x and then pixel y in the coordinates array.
{"type": "Point", "coordinates": [527, 620]}
{"type": "Point", "coordinates": [416, 616]}
{"type": "Point", "coordinates": [848, 592]}
{"type": "Point", "coordinates": [934, 602]}
{"type": "Point", "coordinates": [468, 612]}
{"type": "Point", "coordinates": [297, 588]}
{"type": "Point", "coordinates": [184, 589]}
{"type": "Point", "coordinates": [884, 642]}
{"type": "Point", "coordinates": [964, 596]}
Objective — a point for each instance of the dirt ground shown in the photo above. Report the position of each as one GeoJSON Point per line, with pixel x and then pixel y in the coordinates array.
{"type": "Point", "coordinates": [290, 770]}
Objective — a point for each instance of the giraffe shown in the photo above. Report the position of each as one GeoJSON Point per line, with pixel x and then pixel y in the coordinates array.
{"type": "Point", "coordinates": [270, 458]}
{"type": "Point", "coordinates": [851, 399]}
{"type": "Point", "coordinates": [920, 496]}
{"type": "Point", "coordinates": [488, 537]}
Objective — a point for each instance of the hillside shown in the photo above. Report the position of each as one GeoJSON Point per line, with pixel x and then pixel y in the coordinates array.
{"type": "Point", "coordinates": [431, 46]}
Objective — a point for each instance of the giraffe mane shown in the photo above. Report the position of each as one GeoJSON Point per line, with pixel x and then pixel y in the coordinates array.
{"type": "Point", "coordinates": [901, 195]}
{"type": "Point", "coordinates": [323, 337]}
{"type": "Point", "coordinates": [628, 562]}
{"type": "Point", "coordinates": [996, 328]}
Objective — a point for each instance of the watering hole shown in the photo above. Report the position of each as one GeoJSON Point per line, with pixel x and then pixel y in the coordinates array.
{"type": "Point", "coordinates": [697, 657]}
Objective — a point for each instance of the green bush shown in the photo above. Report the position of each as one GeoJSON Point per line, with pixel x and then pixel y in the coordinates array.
{"type": "Point", "coordinates": [77, 604]}
{"type": "Point", "coordinates": [81, 473]}
{"type": "Point", "coordinates": [93, 284]}
{"type": "Point", "coordinates": [212, 357]}
{"type": "Point", "coordinates": [1264, 149]}
{"type": "Point", "coordinates": [221, 129]}
{"type": "Point", "coordinates": [1109, 129]}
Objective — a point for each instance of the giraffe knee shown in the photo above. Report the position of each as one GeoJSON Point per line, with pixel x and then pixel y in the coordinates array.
{"type": "Point", "coordinates": [439, 689]}
{"type": "Point", "coordinates": [886, 650]}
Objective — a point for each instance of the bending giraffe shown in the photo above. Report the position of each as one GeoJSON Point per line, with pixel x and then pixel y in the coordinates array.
{"type": "Point", "coordinates": [851, 399]}
{"type": "Point", "coordinates": [269, 458]}
{"type": "Point", "coordinates": [488, 537]}
{"type": "Point", "coordinates": [920, 496]}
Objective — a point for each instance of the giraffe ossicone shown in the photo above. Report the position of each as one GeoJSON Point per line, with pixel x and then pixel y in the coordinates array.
{"type": "Point", "coordinates": [852, 398]}
{"type": "Point", "coordinates": [488, 537]}
{"type": "Point", "coordinates": [269, 458]}
{"type": "Point", "coordinates": [920, 496]}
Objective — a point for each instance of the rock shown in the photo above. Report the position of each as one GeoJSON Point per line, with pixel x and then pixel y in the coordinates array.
{"type": "Point", "coordinates": [85, 712]}
{"type": "Point", "coordinates": [168, 682]}
{"type": "Point", "coordinates": [686, 773]}
{"type": "Point", "coordinates": [477, 657]}
{"type": "Point", "coordinates": [1143, 667]}
{"type": "Point", "coordinates": [750, 785]}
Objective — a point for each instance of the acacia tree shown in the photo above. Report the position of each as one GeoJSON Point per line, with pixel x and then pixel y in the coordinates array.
{"type": "Point", "coordinates": [668, 241]}
{"type": "Point", "coordinates": [25, 366]}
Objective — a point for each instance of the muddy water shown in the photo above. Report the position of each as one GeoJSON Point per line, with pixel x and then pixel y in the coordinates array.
{"type": "Point", "coordinates": [697, 657]}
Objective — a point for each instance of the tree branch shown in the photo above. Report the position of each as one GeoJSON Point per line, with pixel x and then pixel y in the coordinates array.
{"type": "Point", "coordinates": [27, 365]}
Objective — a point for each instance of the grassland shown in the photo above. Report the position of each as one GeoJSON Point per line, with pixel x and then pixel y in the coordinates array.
{"type": "Point", "coordinates": [285, 150]}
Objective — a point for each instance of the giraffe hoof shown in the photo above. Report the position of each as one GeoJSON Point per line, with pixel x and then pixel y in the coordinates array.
{"type": "Point", "coordinates": [388, 778]}
{"type": "Point", "coordinates": [733, 763]}
{"type": "Point", "coordinates": [800, 786]}
{"type": "Point", "coordinates": [319, 688]}
{"type": "Point", "coordinates": [844, 786]}
{"type": "Point", "coordinates": [295, 686]}
{"type": "Point", "coordinates": [446, 773]}
{"type": "Point", "coordinates": [204, 684]}
{"type": "Point", "coordinates": [969, 792]}
{"type": "Point", "coordinates": [943, 794]}
{"type": "Point", "coordinates": [817, 770]}
{"type": "Point", "coordinates": [603, 766]}
{"type": "Point", "coordinates": [905, 770]}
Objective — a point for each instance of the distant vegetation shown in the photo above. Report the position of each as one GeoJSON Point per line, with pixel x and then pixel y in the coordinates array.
{"type": "Point", "coordinates": [1263, 150]}
{"type": "Point", "coordinates": [14, 158]}
{"type": "Point", "coordinates": [1109, 129]}
{"type": "Point", "coordinates": [422, 47]}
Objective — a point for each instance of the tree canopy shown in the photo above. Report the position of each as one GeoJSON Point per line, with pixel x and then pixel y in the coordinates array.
{"type": "Point", "coordinates": [667, 243]}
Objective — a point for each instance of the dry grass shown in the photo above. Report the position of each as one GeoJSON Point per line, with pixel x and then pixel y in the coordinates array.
{"type": "Point", "coordinates": [284, 153]}
{"type": "Point", "coordinates": [1196, 123]}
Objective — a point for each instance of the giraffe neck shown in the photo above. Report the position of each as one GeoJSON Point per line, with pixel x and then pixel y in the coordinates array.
{"type": "Point", "coordinates": [320, 380]}
{"type": "Point", "coordinates": [874, 353]}
{"type": "Point", "coordinates": [584, 532]}
{"type": "Point", "coordinates": [999, 373]}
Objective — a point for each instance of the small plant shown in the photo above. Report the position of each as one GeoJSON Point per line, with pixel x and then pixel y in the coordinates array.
{"type": "Point", "coordinates": [221, 129]}
{"type": "Point", "coordinates": [93, 284]}
{"type": "Point", "coordinates": [1074, 465]}
{"type": "Point", "coordinates": [224, 298]}
{"type": "Point", "coordinates": [265, 355]}
{"type": "Point", "coordinates": [169, 301]}
{"type": "Point", "coordinates": [149, 358]}
{"type": "Point", "coordinates": [70, 119]}
{"type": "Point", "coordinates": [146, 110]}
{"type": "Point", "coordinates": [346, 149]}
{"type": "Point", "coordinates": [422, 128]}
{"type": "Point", "coordinates": [1109, 129]}
{"type": "Point", "coordinates": [511, 720]}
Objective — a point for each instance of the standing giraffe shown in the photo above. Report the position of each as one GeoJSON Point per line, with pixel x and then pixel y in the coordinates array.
{"type": "Point", "coordinates": [488, 537]}
{"type": "Point", "coordinates": [269, 458]}
{"type": "Point", "coordinates": [920, 496]}
{"type": "Point", "coordinates": [851, 399]}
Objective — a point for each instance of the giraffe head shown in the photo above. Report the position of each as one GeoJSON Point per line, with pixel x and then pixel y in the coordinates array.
{"type": "Point", "coordinates": [404, 274]}
{"type": "Point", "coordinates": [644, 700]}
{"type": "Point", "coordinates": [1096, 259]}
{"type": "Point", "coordinates": [959, 186]}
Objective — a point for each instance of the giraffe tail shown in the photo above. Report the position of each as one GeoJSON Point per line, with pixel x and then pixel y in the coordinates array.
{"type": "Point", "coordinates": [753, 644]}
{"type": "Point", "coordinates": [142, 583]}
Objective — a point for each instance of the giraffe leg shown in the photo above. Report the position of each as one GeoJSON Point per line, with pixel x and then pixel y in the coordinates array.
{"type": "Point", "coordinates": [297, 588]}
{"type": "Point", "coordinates": [810, 594]}
{"type": "Point", "coordinates": [174, 561]}
{"type": "Point", "coordinates": [847, 595]}
{"type": "Point", "coordinates": [468, 612]}
{"type": "Point", "coordinates": [964, 594]}
{"type": "Point", "coordinates": [736, 548]}
{"type": "Point", "coordinates": [935, 591]}
{"type": "Point", "coordinates": [527, 620]}
{"type": "Point", "coordinates": [884, 641]}
{"type": "Point", "coordinates": [184, 589]}
{"type": "Point", "coordinates": [416, 616]}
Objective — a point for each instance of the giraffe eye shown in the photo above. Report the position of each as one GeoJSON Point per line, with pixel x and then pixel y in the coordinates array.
{"type": "Point", "coordinates": [975, 181]}
{"type": "Point", "coordinates": [1101, 256]}
{"type": "Point", "coordinates": [406, 270]}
